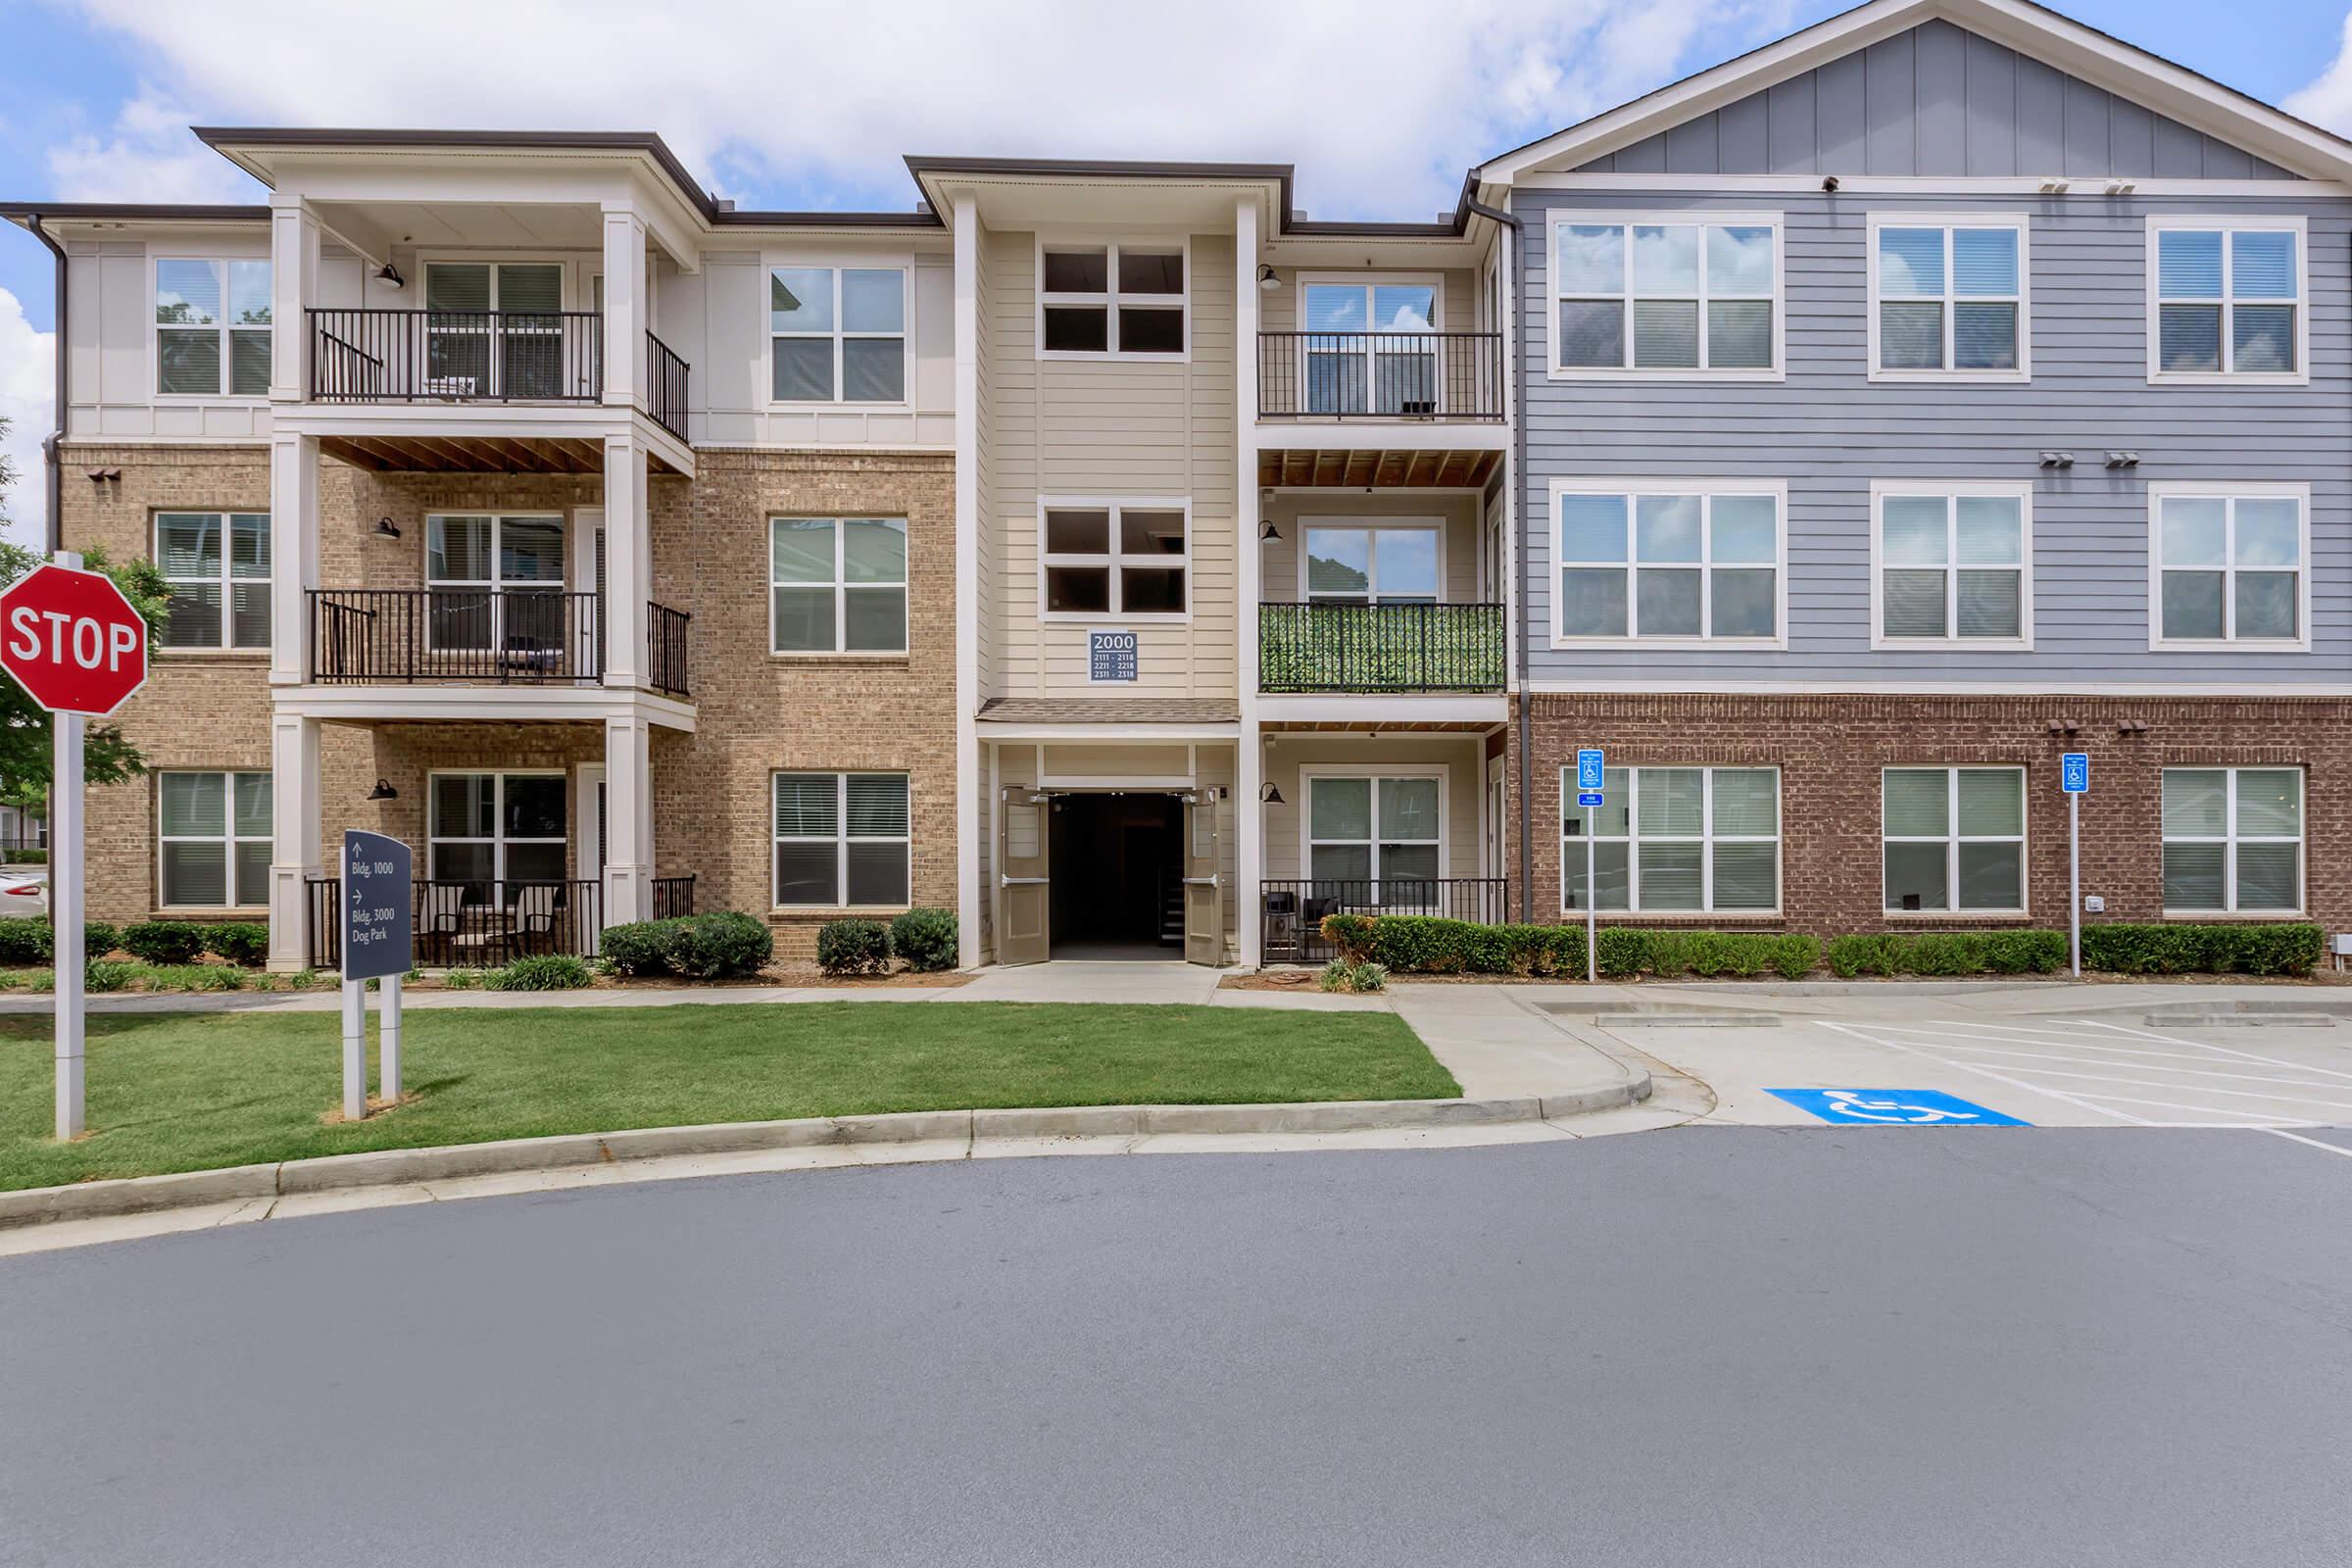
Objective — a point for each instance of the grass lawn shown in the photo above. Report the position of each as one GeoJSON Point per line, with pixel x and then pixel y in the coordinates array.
{"type": "Point", "coordinates": [195, 1091]}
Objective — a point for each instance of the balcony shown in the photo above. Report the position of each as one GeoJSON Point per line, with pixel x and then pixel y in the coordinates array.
{"type": "Point", "coordinates": [1396, 377]}
{"type": "Point", "coordinates": [1333, 646]}
{"type": "Point", "coordinates": [504, 636]}
{"type": "Point", "coordinates": [1291, 913]}
{"type": "Point", "coordinates": [457, 924]}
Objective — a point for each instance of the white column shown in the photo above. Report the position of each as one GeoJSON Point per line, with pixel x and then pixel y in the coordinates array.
{"type": "Point", "coordinates": [294, 854]}
{"type": "Point", "coordinates": [1250, 815]}
{"type": "Point", "coordinates": [628, 820]}
{"type": "Point", "coordinates": [968, 825]}
{"type": "Point", "coordinates": [628, 561]}
{"type": "Point", "coordinates": [626, 320]}
{"type": "Point", "coordinates": [294, 241]}
{"type": "Point", "coordinates": [293, 553]}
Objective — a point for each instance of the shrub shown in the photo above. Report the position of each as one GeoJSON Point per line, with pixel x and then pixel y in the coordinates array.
{"type": "Point", "coordinates": [105, 976]}
{"type": "Point", "coordinates": [303, 979]}
{"type": "Point", "coordinates": [546, 971]}
{"type": "Point", "coordinates": [725, 946]}
{"type": "Point", "coordinates": [1939, 954]}
{"type": "Point", "coordinates": [640, 947]}
{"type": "Point", "coordinates": [1795, 956]}
{"type": "Point", "coordinates": [1334, 975]}
{"type": "Point", "coordinates": [99, 938]}
{"type": "Point", "coordinates": [1670, 953]}
{"type": "Point", "coordinates": [2290, 947]}
{"type": "Point", "coordinates": [463, 979]}
{"type": "Point", "coordinates": [1619, 953]}
{"type": "Point", "coordinates": [2024, 951]}
{"type": "Point", "coordinates": [239, 942]}
{"type": "Point", "coordinates": [926, 939]}
{"type": "Point", "coordinates": [852, 947]}
{"type": "Point", "coordinates": [1368, 977]}
{"type": "Point", "coordinates": [26, 942]}
{"type": "Point", "coordinates": [195, 977]}
{"type": "Point", "coordinates": [163, 942]}
{"type": "Point", "coordinates": [42, 980]}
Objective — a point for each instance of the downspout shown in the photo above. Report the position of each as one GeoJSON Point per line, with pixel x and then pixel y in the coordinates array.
{"type": "Point", "coordinates": [52, 459]}
{"type": "Point", "coordinates": [1513, 301]}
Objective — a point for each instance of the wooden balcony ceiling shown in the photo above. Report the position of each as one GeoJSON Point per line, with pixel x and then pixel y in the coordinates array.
{"type": "Point", "coordinates": [1383, 469]}
{"type": "Point", "coordinates": [475, 453]}
{"type": "Point", "coordinates": [1400, 726]}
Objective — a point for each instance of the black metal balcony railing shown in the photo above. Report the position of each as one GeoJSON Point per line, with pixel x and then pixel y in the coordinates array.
{"type": "Point", "coordinates": [1292, 912]}
{"type": "Point", "coordinates": [1380, 376]}
{"type": "Point", "coordinates": [1333, 646]}
{"type": "Point", "coordinates": [527, 635]}
{"type": "Point", "coordinates": [456, 924]}
{"type": "Point", "coordinates": [665, 380]}
{"type": "Point", "coordinates": [673, 897]}
{"type": "Point", "coordinates": [666, 648]}
{"type": "Point", "coordinates": [456, 355]}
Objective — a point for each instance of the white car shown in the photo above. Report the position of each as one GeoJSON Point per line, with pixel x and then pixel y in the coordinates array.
{"type": "Point", "coordinates": [24, 892]}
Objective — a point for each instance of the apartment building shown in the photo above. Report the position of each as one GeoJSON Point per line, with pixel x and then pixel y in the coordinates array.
{"type": "Point", "coordinates": [1137, 566]}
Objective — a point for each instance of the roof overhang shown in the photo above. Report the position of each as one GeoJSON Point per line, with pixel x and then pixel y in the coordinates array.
{"type": "Point", "coordinates": [1042, 192]}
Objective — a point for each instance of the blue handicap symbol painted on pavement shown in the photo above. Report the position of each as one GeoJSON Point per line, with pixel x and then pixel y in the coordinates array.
{"type": "Point", "coordinates": [1893, 1108]}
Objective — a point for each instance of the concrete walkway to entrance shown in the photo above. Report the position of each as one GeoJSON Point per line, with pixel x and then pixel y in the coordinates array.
{"type": "Point", "coordinates": [1497, 1044]}
{"type": "Point", "coordinates": [1139, 981]}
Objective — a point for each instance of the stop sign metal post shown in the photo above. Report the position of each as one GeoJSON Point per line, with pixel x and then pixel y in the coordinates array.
{"type": "Point", "coordinates": [79, 649]}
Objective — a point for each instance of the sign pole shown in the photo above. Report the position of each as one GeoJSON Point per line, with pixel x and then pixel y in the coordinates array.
{"type": "Point", "coordinates": [1592, 909]}
{"type": "Point", "coordinates": [355, 1050]}
{"type": "Point", "coordinates": [388, 1027]}
{"type": "Point", "coordinates": [66, 904]}
{"type": "Point", "coordinates": [2074, 879]}
{"type": "Point", "coordinates": [378, 908]}
{"type": "Point", "coordinates": [1592, 778]}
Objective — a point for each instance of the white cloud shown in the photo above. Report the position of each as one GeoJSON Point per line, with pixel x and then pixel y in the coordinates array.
{"type": "Point", "coordinates": [27, 388]}
{"type": "Point", "coordinates": [147, 157]}
{"type": "Point", "coordinates": [2327, 100]}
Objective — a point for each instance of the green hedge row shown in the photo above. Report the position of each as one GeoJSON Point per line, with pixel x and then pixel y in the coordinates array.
{"type": "Point", "coordinates": [2295, 948]}
{"type": "Point", "coordinates": [721, 946]}
{"type": "Point", "coordinates": [923, 939]}
{"type": "Point", "coordinates": [157, 942]}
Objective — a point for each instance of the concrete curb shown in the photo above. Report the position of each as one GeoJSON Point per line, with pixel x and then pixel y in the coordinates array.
{"type": "Point", "coordinates": [139, 1195]}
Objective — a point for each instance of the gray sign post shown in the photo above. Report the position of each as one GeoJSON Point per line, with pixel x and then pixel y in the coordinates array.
{"type": "Point", "coordinates": [378, 943]}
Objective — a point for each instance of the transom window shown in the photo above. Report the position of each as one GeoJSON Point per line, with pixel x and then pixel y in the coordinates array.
{"type": "Point", "coordinates": [1955, 839]}
{"type": "Point", "coordinates": [1363, 830]}
{"type": "Point", "coordinates": [1371, 565]}
{"type": "Point", "coordinates": [1950, 298]}
{"type": "Point", "coordinates": [1675, 839]}
{"type": "Point", "coordinates": [489, 828]}
{"type": "Point", "coordinates": [1369, 347]}
{"type": "Point", "coordinates": [2229, 568]}
{"type": "Point", "coordinates": [838, 335]}
{"type": "Point", "coordinates": [1637, 564]}
{"type": "Point", "coordinates": [217, 567]}
{"type": "Point", "coordinates": [496, 583]}
{"type": "Point", "coordinates": [1951, 568]}
{"type": "Point", "coordinates": [842, 840]}
{"type": "Point", "coordinates": [2228, 299]}
{"type": "Point", "coordinates": [837, 585]}
{"type": "Point", "coordinates": [2232, 840]}
{"type": "Point", "coordinates": [212, 327]}
{"type": "Point", "coordinates": [1666, 296]}
{"type": "Point", "coordinates": [212, 840]}
{"type": "Point", "coordinates": [1112, 299]}
{"type": "Point", "coordinates": [1114, 558]}
{"type": "Point", "coordinates": [497, 329]}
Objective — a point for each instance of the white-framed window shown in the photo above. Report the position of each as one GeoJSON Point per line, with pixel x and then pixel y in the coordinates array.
{"type": "Point", "coordinates": [1948, 297]}
{"type": "Point", "coordinates": [1676, 560]}
{"type": "Point", "coordinates": [1952, 565]}
{"type": "Point", "coordinates": [1365, 563]}
{"type": "Point", "coordinates": [1667, 295]}
{"type": "Point", "coordinates": [842, 841]}
{"type": "Point", "coordinates": [837, 585]}
{"type": "Point", "coordinates": [212, 327]}
{"type": "Point", "coordinates": [1674, 839]}
{"type": "Point", "coordinates": [1367, 344]}
{"type": "Point", "coordinates": [2226, 298]}
{"type": "Point", "coordinates": [2232, 840]}
{"type": "Point", "coordinates": [1105, 300]}
{"type": "Point", "coordinates": [837, 334]}
{"type": "Point", "coordinates": [2230, 566]}
{"type": "Point", "coordinates": [1122, 559]}
{"type": "Point", "coordinates": [217, 566]}
{"type": "Point", "coordinates": [499, 329]}
{"type": "Point", "coordinates": [496, 583]}
{"type": "Point", "coordinates": [486, 828]}
{"type": "Point", "coordinates": [1954, 840]}
{"type": "Point", "coordinates": [212, 840]}
{"type": "Point", "coordinates": [1369, 829]}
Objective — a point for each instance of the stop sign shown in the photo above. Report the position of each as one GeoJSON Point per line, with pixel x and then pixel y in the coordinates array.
{"type": "Point", "coordinates": [72, 641]}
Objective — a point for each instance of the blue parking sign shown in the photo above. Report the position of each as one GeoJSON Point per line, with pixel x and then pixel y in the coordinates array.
{"type": "Point", "coordinates": [1588, 768]}
{"type": "Point", "coordinates": [1893, 1108]}
{"type": "Point", "coordinates": [2074, 773]}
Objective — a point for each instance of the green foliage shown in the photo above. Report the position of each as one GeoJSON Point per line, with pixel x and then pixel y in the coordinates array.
{"type": "Point", "coordinates": [2288, 948]}
{"type": "Point", "coordinates": [1938, 955]}
{"type": "Point", "coordinates": [1870, 952]}
{"type": "Point", "coordinates": [23, 941]}
{"type": "Point", "coordinates": [546, 971]}
{"type": "Point", "coordinates": [1619, 953]}
{"type": "Point", "coordinates": [1795, 956]}
{"type": "Point", "coordinates": [1334, 975]}
{"type": "Point", "coordinates": [163, 942]}
{"type": "Point", "coordinates": [1368, 977]}
{"type": "Point", "coordinates": [462, 980]}
{"type": "Point", "coordinates": [639, 946]}
{"type": "Point", "coordinates": [2024, 951]}
{"type": "Point", "coordinates": [242, 942]}
{"type": "Point", "coordinates": [724, 944]}
{"type": "Point", "coordinates": [926, 939]}
{"type": "Point", "coordinates": [303, 979]}
{"type": "Point", "coordinates": [1413, 943]}
{"type": "Point", "coordinates": [852, 947]}
{"type": "Point", "coordinates": [99, 938]}
{"type": "Point", "coordinates": [25, 748]}
{"type": "Point", "coordinates": [1373, 647]}
{"type": "Point", "coordinates": [106, 976]}
{"type": "Point", "coordinates": [190, 976]}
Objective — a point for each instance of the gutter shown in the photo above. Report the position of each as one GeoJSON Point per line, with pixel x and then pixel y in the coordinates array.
{"type": "Point", "coordinates": [1517, 229]}
{"type": "Point", "coordinates": [51, 458]}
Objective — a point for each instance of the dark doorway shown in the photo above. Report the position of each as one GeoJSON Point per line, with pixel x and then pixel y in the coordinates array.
{"type": "Point", "coordinates": [1119, 882]}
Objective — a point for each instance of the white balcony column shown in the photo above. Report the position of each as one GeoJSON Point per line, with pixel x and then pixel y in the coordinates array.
{"type": "Point", "coordinates": [294, 852]}
{"type": "Point", "coordinates": [1250, 815]}
{"type": "Point", "coordinates": [628, 562]}
{"type": "Point", "coordinates": [294, 243]}
{"type": "Point", "coordinates": [628, 820]}
{"type": "Point", "coordinates": [627, 302]}
{"type": "Point", "coordinates": [969, 823]}
{"type": "Point", "coordinates": [293, 553]}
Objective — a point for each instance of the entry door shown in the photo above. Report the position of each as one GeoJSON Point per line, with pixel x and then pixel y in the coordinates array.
{"type": "Point", "coordinates": [1024, 905]}
{"type": "Point", "coordinates": [1495, 817]}
{"type": "Point", "coordinates": [1204, 895]}
{"type": "Point", "coordinates": [588, 566]}
{"type": "Point", "coordinates": [591, 839]}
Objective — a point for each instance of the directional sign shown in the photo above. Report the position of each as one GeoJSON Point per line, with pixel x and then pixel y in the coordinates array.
{"type": "Point", "coordinates": [1588, 768]}
{"type": "Point", "coordinates": [72, 641]}
{"type": "Point", "coordinates": [2074, 773]}
{"type": "Point", "coordinates": [1893, 1108]}
{"type": "Point", "coordinates": [378, 874]}
{"type": "Point", "coordinates": [1595, 798]}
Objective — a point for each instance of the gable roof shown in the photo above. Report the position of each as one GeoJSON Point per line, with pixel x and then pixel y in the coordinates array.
{"type": "Point", "coordinates": [2267, 135]}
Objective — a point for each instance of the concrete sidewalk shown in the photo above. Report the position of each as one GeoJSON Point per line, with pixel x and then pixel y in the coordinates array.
{"type": "Point", "coordinates": [1496, 1042]}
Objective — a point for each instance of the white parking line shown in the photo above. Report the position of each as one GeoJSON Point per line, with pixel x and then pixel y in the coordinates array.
{"type": "Point", "coordinates": [1987, 1072]}
{"type": "Point", "coordinates": [2333, 1148]}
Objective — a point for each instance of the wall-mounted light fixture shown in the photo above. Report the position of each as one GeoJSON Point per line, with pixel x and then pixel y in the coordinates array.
{"type": "Point", "coordinates": [1829, 183]}
{"type": "Point", "coordinates": [1267, 531]}
{"type": "Point", "coordinates": [387, 527]}
{"type": "Point", "coordinates": [1268, 794]}
{"type": "Point", "coordinates": [383, 791]}
{"type": "Point", "coordinates": [1266, 278]}
{"type": "Point", "coordinates": [389, 276]}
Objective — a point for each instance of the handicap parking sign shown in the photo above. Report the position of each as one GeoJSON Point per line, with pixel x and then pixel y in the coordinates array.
{"type": "Point", "coordinates": [1893, 1108]}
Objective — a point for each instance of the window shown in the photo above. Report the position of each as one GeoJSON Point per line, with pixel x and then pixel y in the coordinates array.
{"type": "Point", "coordinates": [2226, 301]}
{"type": "Point", "coordinates": [1368, 831]}
{"type": "Point", "coordinates": [1371, 565]}
{"type": "Point", "coordinates": [1949, 299]}
{"type": "Point", "coordinates": [488, 828]}
{"type": "Point", "coordinates": [498, 330]}
{"type": "Point", "coordinates": [1114, 558]}
{"type": "Point", "coordinates": [1667, 297]}
{"type": "Point", "coordinates": [1952, 567]}
{"type": "Point", "coordinates": [838, 335]}
{"type": "Point", "coordinates": [212, 327]}
{"type": "Point", "coordinates": [837, 585]}
{"type": "Point", "coordinates": [1110, 299]}
{"type": "Point", "coordinates": [2230, 566]}
{"type": "Point", "coordinates": [841, 839]}
{"type": "Point", "coordinates": [2232, 840]}
{"type": "Point", "coordinates": [1368, 345]}
{"type": "Point", "coordinates": [212, 840]}
{"type": "Point", "coordinates": [495, 582]}
{"type": "Point", "coordinates": [217, 567]}
{"type": "Point", "coordinates": [1955, 839]}
{"type": "Point", "coordinates": [1675, 839]}
{"type": "Point", "coordinates": [1674, 561]}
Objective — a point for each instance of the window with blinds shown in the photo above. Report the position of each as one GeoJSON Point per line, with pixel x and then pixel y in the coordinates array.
{"type": "Point", "coordinates": [1674, 839]}
{"type": "Point", "coordinates": [216, 566]}
{"type": "Point", "coordinates": [1949, 298]}
{"type": "Point", "coordinates": [212, 327]}
{"type": "Point", "coordinates": [1666, 297]}
{"type": "Point", "coordinates": [2231, 565]}
{"type": "Point", "coordinates": [2228, 299]}
{"type": "Point", "coordinates": [837, 585]}
{"type": "Point", "coordinates": [1954, 840]}
{"type": "Point", "coordinates": [212, 840]}
{"type": "Point", "coordinates": [1954, 568]}
{"type": "Point", "coordinates": [842, 841]}
{"type": "Point", "coordinates": [1673, 562]}
{"type": "Point", "coordinates": [2232, 840]}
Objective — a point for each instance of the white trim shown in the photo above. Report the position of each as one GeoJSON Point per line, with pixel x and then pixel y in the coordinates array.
{"type": "Point", "coordinates": [2231, 838]}
{"type": "Point", "coordinates": [1952, 838]}
{"type": "Point", "coordinates": [1947, 491]}
{"type": "Point", "coordinates": [498, 838]}
{"type": "Point", "coordinates": [1307, 522]}
{"type": "Point", "coordinates": [2084, 192]}
{"type": "Point", "coordinates": [1706, 838]}
{"type": "Point", "coordinates": [484, 704]}
{"type": "Point", "coordinates": [1708, 490]}
{"type": "Point", "coordinates": [1675, 686]}
{"type": "Point", "coordinates": [2248, 222]}
{"type": "Point", "coordinates": [2167, 490]}
{"type": "Point", "coordinates": [1113, 560]}
{"type": "Point", "coordinates": [227, 581]}
{"type": "Point", "coordinates": [974, 818]}
{"type": "Point", "coordinates": [1109, 299]}
{"type": "Point", "coordinates": [2022, 223]}
{"type": "Point", "coordinates": [228, 838]}
{"type": "Point", "coordinates": [1702, 219]}
{"type": "Point", "coordinates": [839, 264]}
{"type": "Point", "coordinates": [841, 838]}
{"type": "Point", "coordinates": [1308, 773]}
{"type": "Point", "coordinates": [1372, 709]}
{"type": "Point", "coordinates": [841, 589]}
{"type": "Point", "coordinates": [588, 779]}
{"type": "Point", "coordinates": [993, 732]}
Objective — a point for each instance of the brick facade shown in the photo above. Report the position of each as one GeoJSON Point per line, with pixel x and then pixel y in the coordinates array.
{"type": "Point", "coordinates": [1830, 750]}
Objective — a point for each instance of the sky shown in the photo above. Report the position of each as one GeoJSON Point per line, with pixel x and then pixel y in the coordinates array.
{"type": "Point", "coordinates": [1381, 104]}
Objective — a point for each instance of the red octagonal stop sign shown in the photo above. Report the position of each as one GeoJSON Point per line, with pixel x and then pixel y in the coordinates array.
{"type": "Point", "coordinates": [72, 641]}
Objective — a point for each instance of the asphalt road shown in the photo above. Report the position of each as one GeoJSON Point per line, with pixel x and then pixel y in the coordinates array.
{"type": "Point", "coordinates": [1815, 1346]}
